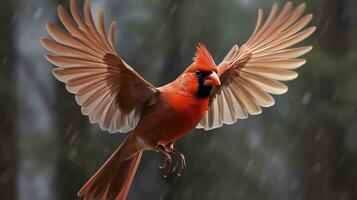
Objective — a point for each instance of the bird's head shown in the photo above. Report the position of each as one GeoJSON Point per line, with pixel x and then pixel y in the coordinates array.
{"type": "Point", "coordinates": [201, 76]}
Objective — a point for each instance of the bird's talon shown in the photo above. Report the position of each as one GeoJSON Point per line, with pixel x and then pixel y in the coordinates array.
{"type": "Point", "coordinates": [180, 167]}
{"type": "Point", "coordinates": [163, 164]}
{"type": "Point", "coordinates": [166, 166]}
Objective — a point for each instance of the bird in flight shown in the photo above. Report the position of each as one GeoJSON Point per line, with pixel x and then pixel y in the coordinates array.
{"type": "Point", "coordinates": [206, 95]}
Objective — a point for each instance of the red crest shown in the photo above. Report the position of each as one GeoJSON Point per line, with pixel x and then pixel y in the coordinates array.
{"type": "Point", "coordinates": [203, 57]}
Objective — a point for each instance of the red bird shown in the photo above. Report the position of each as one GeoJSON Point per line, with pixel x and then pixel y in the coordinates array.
{"type": "Point", "coordinates": [205, 95]}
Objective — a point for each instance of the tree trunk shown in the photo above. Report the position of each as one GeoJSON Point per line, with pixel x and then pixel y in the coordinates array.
{"type": "Point", "coordinates": [8, 104]}
{"type": "Point", "coordinates": [171, 26]}
{"type": "Point", "coordinates": [335, 27]}
{"type": "Point", "coordinates": [72, 136]}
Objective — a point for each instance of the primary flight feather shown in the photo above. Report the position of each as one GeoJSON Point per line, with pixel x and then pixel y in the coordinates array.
{"type": "Point", "coordinates": [205, 95]}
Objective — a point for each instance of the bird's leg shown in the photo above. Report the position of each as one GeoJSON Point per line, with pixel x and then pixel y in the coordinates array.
{"type": "Point", "coordinates": [181, 162]}
{"type": "Point", "coordinates": [166, 165]}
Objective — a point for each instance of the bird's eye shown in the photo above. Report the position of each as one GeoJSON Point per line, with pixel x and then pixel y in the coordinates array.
{"type": "Point", "coordinates": [198, 73]}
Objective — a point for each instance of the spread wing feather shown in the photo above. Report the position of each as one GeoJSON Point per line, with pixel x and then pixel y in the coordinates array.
{"type": "Point", "coordinates": [108, 90]}
{"type": "Point", "coordinates": [251, 73]}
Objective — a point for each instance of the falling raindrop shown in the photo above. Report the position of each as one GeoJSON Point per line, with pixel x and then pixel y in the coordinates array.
{"type": "Point", "coordinates": [72, 154]}
{"type": "Point", "coordinates": [173, 9]}
{"type": "Point", "coordinates": [318, 136]}
{"type": "Point", "coordinates": [306, 98]}
{"type": "Point", "coordinates": [294, 185]}
{"type": "Point", "coordinates": [4, 60]}
{"type": "Point", "coordinates": [38, 13]}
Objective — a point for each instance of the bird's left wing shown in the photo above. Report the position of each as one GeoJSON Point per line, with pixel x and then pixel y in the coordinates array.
{"type": "Point", "coordinates": [109, 91]}
{"type": "Point", "coordinates": [251, 73]}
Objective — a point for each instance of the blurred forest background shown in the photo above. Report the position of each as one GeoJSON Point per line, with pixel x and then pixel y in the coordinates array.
{"type": "Point", "coordinates": [303, 148]}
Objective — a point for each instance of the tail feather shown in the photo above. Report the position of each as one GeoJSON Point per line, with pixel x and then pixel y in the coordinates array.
{"type": "Point", "coordinates": [112, 181]}
{"type": "Point", "coordinates": [124, 183]}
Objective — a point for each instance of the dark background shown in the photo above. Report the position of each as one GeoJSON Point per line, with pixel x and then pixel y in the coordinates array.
{"type": "Point", "coordinates": [305, 147]}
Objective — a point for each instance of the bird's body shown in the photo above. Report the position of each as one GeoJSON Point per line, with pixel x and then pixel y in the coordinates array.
{"type": "Point", "coordinates": [205, 95]}
{"type": "Point", "coordinates": [170, 115]}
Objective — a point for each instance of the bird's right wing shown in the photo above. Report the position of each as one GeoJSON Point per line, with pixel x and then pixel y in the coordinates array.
{"type": "Point", "coordinates": [108, 90]}
{"type": "Point", "coordinates": [251, 73]}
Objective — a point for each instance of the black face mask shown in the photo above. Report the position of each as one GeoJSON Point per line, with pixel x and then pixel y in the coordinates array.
{"type": "Point", "coordinates": [203, 90]}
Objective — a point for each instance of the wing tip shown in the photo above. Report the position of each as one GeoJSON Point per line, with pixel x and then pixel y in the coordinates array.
{"type": "Point", "coordinates": [257, 112]}
{"type": "Point", "coordinates": [313, 29]}
{"type": "Point", "coordinates": [48, 26]}
{"type": "Point", "coordinates": [73, 2]}
{"type": "Point", "coordinates": [49, 57]}
{"type": "Point", "coordinates": [46, 43]}
{"type": "Point", "coordinates": [309, 48]}
{"type": "Point", "coordinates": [301, 5]}
{"type": "Point", "coordinates": [310, 15]}
{"type": "Point", "coordinates": [114, 23]}
{"type": "Point", "coordinates": [272, 103]}
{"type": "Point", "coordinates": [60, 8]}
{"type": "Point", "coordinates": [87, 5]}
{"type": "Point", "coordinates": [58, 76]}
{"type": "Point", "coordinates": [43, 42]}
{"type": "Point", "coordinates": [302, 62]}
{"type": "Point", "coordinates": [82, 191]}
{"type": "Point", "coordinates": [284, 90]}
{"type": "Point", "coordinates": [293, 76]}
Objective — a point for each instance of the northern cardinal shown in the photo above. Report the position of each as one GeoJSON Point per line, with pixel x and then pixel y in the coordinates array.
{"type": "Point", "coordinates": [205, 95]}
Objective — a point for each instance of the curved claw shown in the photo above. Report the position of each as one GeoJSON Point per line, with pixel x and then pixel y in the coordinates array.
{"type": "Point", "coordinates": [166, 165]}
{"type": "Point", "coordinates": [180, 166]}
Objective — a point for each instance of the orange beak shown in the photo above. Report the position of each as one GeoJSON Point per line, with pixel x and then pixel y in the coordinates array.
{"type": "Point", "coordinates": [212, 80]}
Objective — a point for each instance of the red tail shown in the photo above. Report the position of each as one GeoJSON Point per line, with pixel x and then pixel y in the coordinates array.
{"type": "Point", "coordinates": [112, 181]}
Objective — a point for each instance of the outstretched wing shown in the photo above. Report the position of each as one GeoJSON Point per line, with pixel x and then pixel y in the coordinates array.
{"type": "Point", "coordinates": [108, 90]}
{"type": "Point", "coordinates": [251, 73]}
